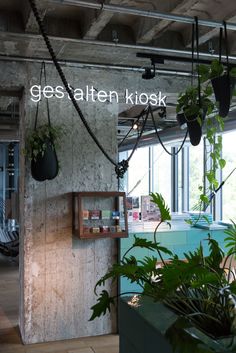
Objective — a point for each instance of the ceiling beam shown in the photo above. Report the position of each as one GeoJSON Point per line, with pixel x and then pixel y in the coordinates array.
{"type": "Point", "coordinates": [157, 29]}
{"type": "Point", "coordinates": [30, 24]}
{"type": "Point", "coordinates": [207, 34]}
{"type": "Point", "coordinates": [97, 20]}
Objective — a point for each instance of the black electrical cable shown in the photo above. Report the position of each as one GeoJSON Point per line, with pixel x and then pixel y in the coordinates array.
{"type": "Point", "coordinates": [197, 49]}
{"type": "Point", "coordinates": [63, 78]}
{"type": "Point", "coordinates": [159, 138]}
{"type": "Point", "coordinates": [137, 119]}
{"type": "Point", "coordinates": [141, 132]}
{"type": "Point", "coordinates": [120, 167]}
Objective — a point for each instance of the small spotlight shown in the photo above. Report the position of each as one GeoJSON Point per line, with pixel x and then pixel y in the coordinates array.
{"type": "Point", "coordinates": [135, 126]}
{"type": "Point", "coordinates": [149, 73]}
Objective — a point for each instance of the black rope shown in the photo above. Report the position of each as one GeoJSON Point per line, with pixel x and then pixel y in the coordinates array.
{"type": "Point", "coordinates": [37, 107]}
{"type": "Point", "coordinates": [220, 45]}
{"type": "Point", "coordinates": [159, 138]}
{"type": "Point", "coordinates": [197, 49]}
{"type": "Point", "coordinates": [226, 46]}
{"type": "Point", "coordinates": [47, 99]}
{"type": "Point", "coordinates": [141, 132]}
{"type": "Point", "coordinates": [65, 83]}
{"type": "Point", "coordinates": [193, 31]}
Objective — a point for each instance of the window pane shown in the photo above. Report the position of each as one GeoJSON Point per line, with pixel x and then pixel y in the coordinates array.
{"type": "Point", "coordinates": [162, 173]}
{"type": "Point", "coordinates": [229, 188]}
{"type": "Point", "coordinates": [195, 173]}
{"type": "Point", "coordinates": [138, 173]}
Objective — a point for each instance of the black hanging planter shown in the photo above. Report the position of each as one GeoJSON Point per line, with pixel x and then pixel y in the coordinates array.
{"type": "Point", "coordinates": [223, 85]}
{"type": "Point", "coordinates": [45, 167]}
{"type": "Point", "coordinates": [223, 89]}
{"type": "Point", "coordinates": [194, 127]}
{"type": "Point", "coordinates": [41, 144]}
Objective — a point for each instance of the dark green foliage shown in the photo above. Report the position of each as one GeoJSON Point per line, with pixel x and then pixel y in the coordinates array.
{"type": "Point", "coordinates": [201, 289]}
{"type": "Point", "coordinates": [104, 304]}
{"type": "Point", "coordinates": [36, 141]}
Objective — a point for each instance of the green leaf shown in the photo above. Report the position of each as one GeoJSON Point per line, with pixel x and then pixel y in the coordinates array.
{"type": "Point", "coordinates": [103, 305]}
{"type": "Point", "coordinates": [217, 69]}
{"type": "Point", "coordinates": [222, 163]}
{"type": "Point", "coordinates": [233, 72]}
{"type": "Point", "coordinates": [159, 201]}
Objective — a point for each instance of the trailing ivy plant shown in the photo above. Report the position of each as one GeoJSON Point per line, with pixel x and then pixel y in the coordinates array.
{"type": "Point", "coordinates": [188, 102]}
{"type": "Point", "coordinates": [200, 288]}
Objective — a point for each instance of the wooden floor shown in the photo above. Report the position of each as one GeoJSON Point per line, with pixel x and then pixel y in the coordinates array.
{"type": "Point", "coordinates": [10, 341]}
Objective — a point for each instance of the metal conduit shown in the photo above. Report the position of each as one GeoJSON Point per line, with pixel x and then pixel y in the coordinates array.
{"type": "Point", "coordinates": [173, 52]}
{"type": "Point", "coordinates": [89, 65]}
{"type": "Point", "coordinates": [144, 13]}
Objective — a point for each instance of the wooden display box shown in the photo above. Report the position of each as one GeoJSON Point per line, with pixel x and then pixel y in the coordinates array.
{"type": "Point", "coordinates": [99, 214]}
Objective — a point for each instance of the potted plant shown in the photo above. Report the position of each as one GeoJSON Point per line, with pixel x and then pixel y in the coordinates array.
{"type": "Point", "coordinates": [223, 81]}
{"type": "Point", "coordinates": [192, 108]}
{"type": "Point", "coordinates": [199, 289]}
{"type": "Point", "coordinates": [41, 150]}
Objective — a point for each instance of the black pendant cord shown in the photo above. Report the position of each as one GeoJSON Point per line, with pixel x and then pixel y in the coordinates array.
{"type": "Point", "coordinates": [137, 119]}
{"type": "Point", "coordinates": [159, 138]}
{"type": "Point", "coordinates": [220, 45]}
{"type": "Point", "coordinates": [197, 49]}
{"type": "Point", "coordinates": [45, 82]}
{"type": "Point", "coordinates": [192, 48]}
{"type": "Point", "coordinates": [118, 166]}
{"type": "Point", "coordinates": [141, 132]}
{"type": "Point", "coordinates": [226, 46]}
{"type": "Point", "coordinates": [121, 143]}
{"type": "Point", "coordinates": [37, 107]}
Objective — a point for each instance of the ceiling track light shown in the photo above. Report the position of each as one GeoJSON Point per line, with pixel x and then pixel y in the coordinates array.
{"type": "Point", "coordinates": [150, 72]}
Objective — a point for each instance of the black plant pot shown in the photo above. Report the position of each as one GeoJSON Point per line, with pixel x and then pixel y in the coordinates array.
{"type": "Point", "coordinates": [223, 89]}
{"type": "Point", "coordinates": [45, 167]}
{"type": "Point", "coordinates": [194, 128]}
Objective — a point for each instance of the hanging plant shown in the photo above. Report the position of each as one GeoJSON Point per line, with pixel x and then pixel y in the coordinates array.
{"type": "Point", "coordinates": [41, 148]}
{"type": "Point", "coordinates": [41, 144]}
{"type": "Point", "coordinates": [223, 82]}
{"type": "Point", "coordinates": [193, 110]}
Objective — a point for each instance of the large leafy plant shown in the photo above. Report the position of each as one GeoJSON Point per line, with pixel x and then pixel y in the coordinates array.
{"type": "Point", "coordinates": [200, 288]}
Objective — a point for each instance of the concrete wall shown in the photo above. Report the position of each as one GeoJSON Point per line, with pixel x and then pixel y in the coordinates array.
{"type": "Point", "coordinates": [58, 271]}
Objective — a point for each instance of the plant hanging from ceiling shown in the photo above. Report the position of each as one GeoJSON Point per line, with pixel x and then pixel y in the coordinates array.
{"type": "Point", "coordinates": [196, 109]}
{"type": "Point", "coordinates": [41, 145]}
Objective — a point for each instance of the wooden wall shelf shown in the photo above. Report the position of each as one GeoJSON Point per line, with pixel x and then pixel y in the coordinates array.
{"type": "Point", "coordinates": [99, 214]}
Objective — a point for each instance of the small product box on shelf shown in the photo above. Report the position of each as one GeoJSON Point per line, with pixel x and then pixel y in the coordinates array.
{"type": "Point", "coordinates": [94, 214]}
{"type": "Point", "coordinates": [115, 215]}
{"type": "Point", "coordinates": [113, 229]}
{"type": "Point", "coordinates": [118, 229]}
{"type": "Point", "coordinates": [106, 214]}
{"type": "Point", "coordinates": [104, 229]}
{"type": "Point", "coordinates": [95, 230]}
{"type": "Point", "coordinates": [86, 229]}
{"type": "Point", "coordinates": [85, 214]}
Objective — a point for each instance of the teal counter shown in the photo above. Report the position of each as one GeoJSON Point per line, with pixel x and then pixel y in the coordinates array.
{"type": "Point", "coordinates": [178, 241]}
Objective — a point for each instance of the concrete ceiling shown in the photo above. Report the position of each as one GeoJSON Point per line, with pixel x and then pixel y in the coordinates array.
{"type": "Point", "coordinates": [99, 35]}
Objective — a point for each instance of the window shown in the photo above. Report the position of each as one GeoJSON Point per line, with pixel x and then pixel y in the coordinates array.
{"type": "Point", "coordinates": [161, 166]}
{"type": "Point", "coordinates": [229, 188]}
{"type": "Point", "coordinates": [178, 178]}
{"type": "Point", "coordinates": [138, 175]}
{"type": "Point", "coordinates": [196, 165]}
